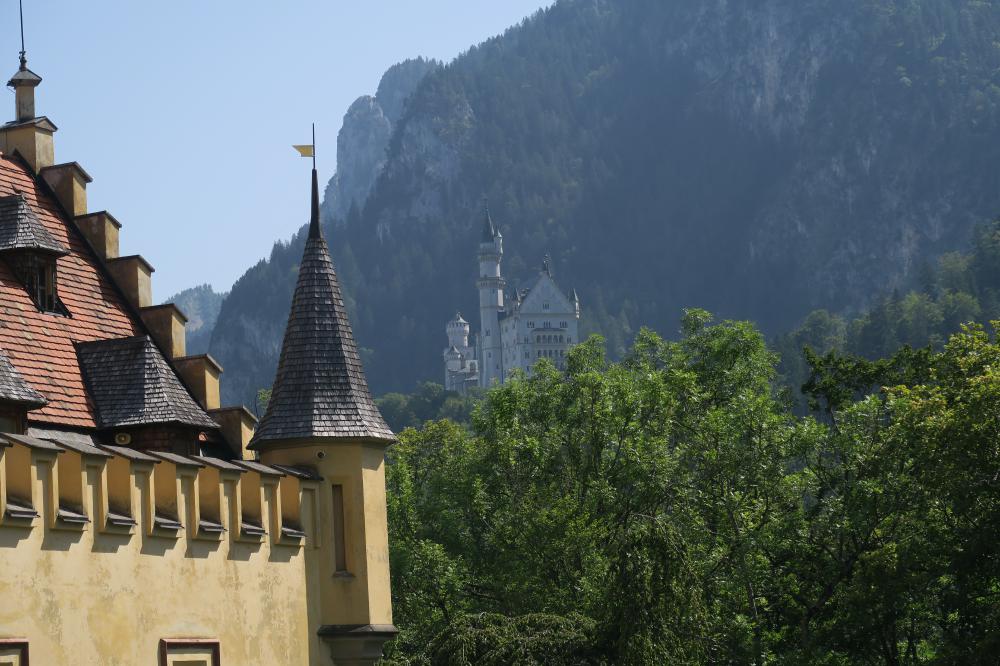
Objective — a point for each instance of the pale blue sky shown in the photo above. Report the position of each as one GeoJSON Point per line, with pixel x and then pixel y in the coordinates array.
{"type": "Point", "coordinates": [184, 112]}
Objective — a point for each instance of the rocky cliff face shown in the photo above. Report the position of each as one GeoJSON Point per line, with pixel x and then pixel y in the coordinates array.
{"type": "Point", "coordinates": [364, 137]}
{"type": "Point", "coordinates": [759, 159]}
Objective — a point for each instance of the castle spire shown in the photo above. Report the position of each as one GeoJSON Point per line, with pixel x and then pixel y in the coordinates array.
{"type": "Point", "coordinates": [314, 229]}
{"type": "Point", "coordinates": [320, 390]}
{"type": "Point", "coordinates": [489, 230]}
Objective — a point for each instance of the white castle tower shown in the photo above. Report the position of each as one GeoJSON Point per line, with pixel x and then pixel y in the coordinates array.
{"type": "Point", "coordinates": [491, 305]}
{"type": "Point", "coordinates": [539, 321]}
{"type": "Point", "coordinates": [461, 370]}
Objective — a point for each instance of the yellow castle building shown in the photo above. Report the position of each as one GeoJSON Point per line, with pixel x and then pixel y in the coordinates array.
{"type": "Point", "coordinates": [141, 522]}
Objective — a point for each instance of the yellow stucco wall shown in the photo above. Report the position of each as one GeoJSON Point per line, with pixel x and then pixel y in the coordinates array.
{"type": "Point", "coordinates": [95, 596]}
{"type": "Point", "coordinates": [363, 596]}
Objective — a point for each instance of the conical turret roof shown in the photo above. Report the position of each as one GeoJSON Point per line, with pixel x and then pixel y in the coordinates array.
{"type": "Point", "coordinates": [489, 229]}
{"type": "Point", "coordinates": [320, 390]}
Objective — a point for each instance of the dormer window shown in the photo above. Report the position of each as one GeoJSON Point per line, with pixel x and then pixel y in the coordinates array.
{"type": "Point", "coordinates": [31, 251]}
{"type": "Point", "coordinates": [39, 277]}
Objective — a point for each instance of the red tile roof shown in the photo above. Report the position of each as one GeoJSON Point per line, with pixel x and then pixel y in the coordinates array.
{"type": "Point", "coordinates": [40, 345]}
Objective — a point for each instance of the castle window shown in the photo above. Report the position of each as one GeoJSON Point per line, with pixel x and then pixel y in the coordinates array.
{"type": "Point", "coordinates": [189, 652]}
{"type": "Point", "coordinates": [339, 533]}
{"type": "Point", "coordinates": [37, 272]}
{"type": "Point", "coordinates": [547, 324]}
{"type": "Point", "coordinates": [13, 652]}
{"type": "Point", "coordinates": [563, 324]}
{"type": "Point", "coordinates": [10, 421]}
{"type": "Point", "coordinates": [545, 306]}
{"type": "Point", "coordinates": [531, 324]}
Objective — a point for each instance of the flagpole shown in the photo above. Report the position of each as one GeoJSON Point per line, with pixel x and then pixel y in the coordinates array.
{"type": "Point", "coordinates": [314, 145]}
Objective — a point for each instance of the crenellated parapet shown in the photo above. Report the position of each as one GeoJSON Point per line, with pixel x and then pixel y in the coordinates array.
{"type": "Point", "coordinates": [67, 484]}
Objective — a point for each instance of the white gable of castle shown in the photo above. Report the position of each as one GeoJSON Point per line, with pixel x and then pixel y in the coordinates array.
{"type": "Point", "coordinates": [546, 293]}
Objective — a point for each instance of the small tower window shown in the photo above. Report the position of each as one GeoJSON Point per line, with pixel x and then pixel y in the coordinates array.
{"type": "Point", "coordinates": [339, 533]}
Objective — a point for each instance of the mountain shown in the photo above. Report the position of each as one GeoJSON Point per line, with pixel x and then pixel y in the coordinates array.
{"type": "Point", "coordinates": [201, 305]}
{"type": "Point", "coordinates": [253, 320]}
{"type": "Point", "coordinates": [365, 133]}
{"type": "Point", "coordinates": [760, 159]}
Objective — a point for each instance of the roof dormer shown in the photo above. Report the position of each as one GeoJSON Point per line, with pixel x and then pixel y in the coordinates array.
{"type": "Point", "coordinates": [32, 252]}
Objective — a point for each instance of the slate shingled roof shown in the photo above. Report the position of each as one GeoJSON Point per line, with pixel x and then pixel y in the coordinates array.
{"type": "Point", "coordinates": [131, 384]}
{"type": "Point", "coordinates": [39, 344]}
{"type": "Point", "coordinates": [20, 228]}
{"type": "Point", "coordinates": [13, 388]}
{"type": "Point", "coordinates": [320, 388]}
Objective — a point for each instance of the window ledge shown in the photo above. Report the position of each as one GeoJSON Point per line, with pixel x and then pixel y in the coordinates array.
{"type": "Point", "coordinates": [251, 533]}
{"type": "Point", "coordinates": [71, 519]}
{"type": "Point", "coordinates": [293, 537]}
{"type": "Point", "coordinates": [167, 527]}
{"type": "Point", "coordinates": [209, 530]}
{"type": "Point", "coordinates": [19, 514]}
{"type": "Point", "coordinates": [119, 523]}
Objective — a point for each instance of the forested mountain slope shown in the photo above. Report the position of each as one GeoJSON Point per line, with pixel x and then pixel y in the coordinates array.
{"type": "Point", "coordinates": [757, 158]}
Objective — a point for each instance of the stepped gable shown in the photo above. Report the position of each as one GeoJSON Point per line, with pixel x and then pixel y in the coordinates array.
{"type": "Point", "coordinates": [131, 384]}
{"type": "Point", "coordinates": [320, 388]}
{"type": "Point", "coordinates": [13, 388]}
{"type": "Point", "coordinates": [40, 345]}
{"type": "Point", "coordinates": [20, 228]}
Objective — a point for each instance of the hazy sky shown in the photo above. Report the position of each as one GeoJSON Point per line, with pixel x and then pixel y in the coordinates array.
{"type": "Point", "coordinates": [184, 112]}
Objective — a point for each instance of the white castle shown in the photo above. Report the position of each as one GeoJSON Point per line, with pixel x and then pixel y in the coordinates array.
{"type": "Point", "coordinates": [516, 330]}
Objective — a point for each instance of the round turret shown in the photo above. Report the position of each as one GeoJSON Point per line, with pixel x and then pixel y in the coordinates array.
{"type": "Point", "coordinates": [458, 332]}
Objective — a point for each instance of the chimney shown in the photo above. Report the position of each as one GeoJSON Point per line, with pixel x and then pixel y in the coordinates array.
{"type": "Point", "coordinates": [201, 374]}
{"type": "Point", "coordinates": [167, 325]}
{"type": "Point", "coordinates": [101, 229]}
{"type": "Point", "coordinates": [69, 183]}
{"type": "Point", "coordinates": [133, 274]}
{"type": "Point", "coordinates": [24, 83]}
{"type": "Point", "coordinates": [29, 135]}
{"type": "Point", "coordinates": [237, 425]}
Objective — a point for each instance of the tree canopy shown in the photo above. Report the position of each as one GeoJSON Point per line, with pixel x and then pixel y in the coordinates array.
{"type": "Point", "coordinates": [670, 508]}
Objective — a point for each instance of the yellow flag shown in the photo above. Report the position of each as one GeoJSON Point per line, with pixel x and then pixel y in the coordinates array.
{"type": "Point", "coordinates": [304, 151]}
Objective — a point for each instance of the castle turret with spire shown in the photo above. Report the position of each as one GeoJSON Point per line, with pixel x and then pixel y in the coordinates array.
{"type": "Point", "coordinates": [321, 414]}
{"type": "Point", "coordinates": [518, 327]}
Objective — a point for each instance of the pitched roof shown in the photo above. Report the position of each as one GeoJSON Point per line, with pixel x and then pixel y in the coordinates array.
{"type": "Point", "coordinates": [131, 384]}
{"type": "Point", "coordinates": [13, 388]}
{"type": "Point", "coordinates": [20, 228]}
{"type": "Point", "coordinates": [320, 388]}
{"type": "Point", "coordinates": [40, 345]}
